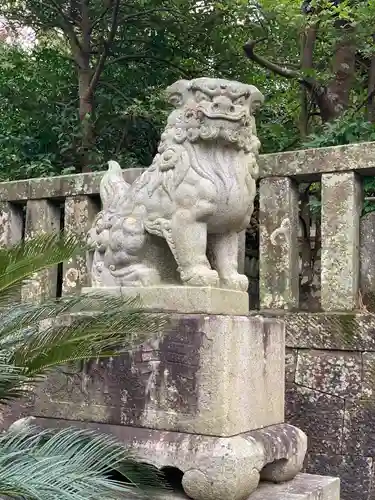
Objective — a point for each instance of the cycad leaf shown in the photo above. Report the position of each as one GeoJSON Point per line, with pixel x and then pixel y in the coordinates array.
{"type": "Point", "coordinates": [25, 259]}
{"type": "Point", "coordinates": [70, 464]}
{"type": "Point", "coordinates": [36, 337]}
{"type": "Point", "coordinates": [39, 337]}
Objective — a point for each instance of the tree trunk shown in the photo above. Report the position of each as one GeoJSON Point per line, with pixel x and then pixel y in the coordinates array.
{"type": "Point", "coordinates": [338, 90]}
{"type": "Point", "coordinates": [371, 89]}
{"type": "Point", "coordinates": [86, 111]}
{"type": "Point", "coordinates": [308, 40]}
{"type": "Point", "coordinates": [85, 90]}
{"type": "Point", "coordinates": [332, 99]}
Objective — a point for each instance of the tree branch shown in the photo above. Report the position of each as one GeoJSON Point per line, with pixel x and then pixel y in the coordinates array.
{"type": "Point", "coordinates": [317, 91]}
{"type": "Point", "coordinates": [262, 61]}
{"type": "Point", "coordinates": [99, 18]}
{"type": "Point", "coordinates": [137, 15]}
{"type": "Point", "coordinates": [370, 95]}
{"type": "Point", "coordinates": [106, 46]}
{"type": "Point", "coordinates": [68, 30]}
{"type": "Point", "coordinates": [139, 57]}
{"type": "Point", "coordinates": [116, 90]}
{"type": "Point", "coordinates": [57, 8]}
{"type": "Point", "coordinates": [85, 26]}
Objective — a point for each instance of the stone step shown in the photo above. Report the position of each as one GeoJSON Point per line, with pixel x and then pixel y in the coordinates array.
{"type": "Point", "coordinates": [302, 487]}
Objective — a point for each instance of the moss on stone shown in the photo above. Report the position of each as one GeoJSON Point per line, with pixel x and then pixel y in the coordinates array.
{"type": "Point", "coordinates": [348, 326]}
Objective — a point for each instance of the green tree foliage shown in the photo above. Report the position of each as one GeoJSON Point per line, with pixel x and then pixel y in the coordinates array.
{"type": "Point", "coordinates": [38, 126]}
{"type": "Point", "coordinates": [37, 337]}
{"type": "Point", "coordinates": [321, 54]}
{"type": "Point", "coordinates": [91, 89]}
{"type": "Point", "coordinates": [121, 55]}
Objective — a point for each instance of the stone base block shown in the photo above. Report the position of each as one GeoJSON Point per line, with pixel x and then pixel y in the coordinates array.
{"type": "Point", "coordinates": [303, 487]}
{"type": "Point", "coordinates": [215, 468]}
{"type": "Point", "coordinates": [185, 299]}
{"type": "Point", "coordinates": [214, 375]}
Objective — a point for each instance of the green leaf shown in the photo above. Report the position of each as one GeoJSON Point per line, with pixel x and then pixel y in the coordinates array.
{"type": "Point", "coordinates": [70, 464]}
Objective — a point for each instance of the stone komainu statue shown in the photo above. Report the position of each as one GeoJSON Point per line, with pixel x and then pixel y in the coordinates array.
{"type": "Point", "coordinates": [178, 223]}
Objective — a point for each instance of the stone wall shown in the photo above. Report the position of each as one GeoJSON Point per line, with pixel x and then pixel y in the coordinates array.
{"type": "Point", "coordinates": [330, 354]}
{"type": "Point", "coordinates": [330, 375]}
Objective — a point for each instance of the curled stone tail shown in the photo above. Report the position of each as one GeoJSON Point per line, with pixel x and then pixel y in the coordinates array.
{"type": "Point", "coordinates": [113, 189]}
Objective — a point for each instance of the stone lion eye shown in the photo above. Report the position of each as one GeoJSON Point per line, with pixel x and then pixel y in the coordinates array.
{"type": "Point", "coordinates": [241, 100]}
{"type": "Point", "coordinates": [199, 96]}
{"type": "Point", "coordinates": [175, 99]}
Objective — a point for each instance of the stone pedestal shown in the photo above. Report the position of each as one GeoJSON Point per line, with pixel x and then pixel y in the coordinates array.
{"type": "Point", "coordinates": [205, 399]}
{"type": "Point", "coordinates": [185, 299]}
{"type": "Point", "coordinates": [208, 398]}
{"type": "Point", "coordinates": [209, 374]}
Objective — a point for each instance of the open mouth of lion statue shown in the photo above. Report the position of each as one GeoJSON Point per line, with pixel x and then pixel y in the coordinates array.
{"type": "Point", "coordinates": [209, 111]}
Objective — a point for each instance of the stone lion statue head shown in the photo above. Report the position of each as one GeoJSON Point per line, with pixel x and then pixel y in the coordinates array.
{"type": "Point", "coordinates": [211, 109]}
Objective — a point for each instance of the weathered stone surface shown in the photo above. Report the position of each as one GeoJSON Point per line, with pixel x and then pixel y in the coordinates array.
{"type": "Point", "coordinates": [275, 453]}
{"type": "Point", "coordinates": [241, 251]}
{"type": "Point", "coordinates": [306, 164]}
{"type": "Point", "coordinates": [197, 196]}
{"type": "Point", "coordinates": [11, 223]}
{"type": "Point", "coordinates": [18, 409]}
{"type": "Point", "coordinates": [15, 191]}
{"type": "Point", "coordinates": [59, 186]}
{"type": "Point", "coordinates": [368, 382]}
{"type": "Point", "coordinates": [278, 250]}
{"type": "Point", "coordinates": [214, 375]}
{"type": "Point", "coordinates": [42, 216]}
{"type": "Point", "coordinates": [355, 472]}
{"type": "Point", "coordinates": [186, 299]}
{"type": "Point", "coordinates": [290, 364]}
{"type": "Point", "coordinates": [80, 212]}
{"type": "Point", "coordinates": [303, 487]}
{"type": "Point", "coordinates": [309, 164]}
{"type": "Point", "coordinates": [331, 372]}
{"type": "Point", "coordinates": [318, 414]}
{"type": "Point", "coordinates": [338, 331]}
{"type": "Point", "coordinates": [367, 261]}
{"type": "Point", "coordinates": [341, 210]}
{"type": "Point", "coordinates": [359, 422]}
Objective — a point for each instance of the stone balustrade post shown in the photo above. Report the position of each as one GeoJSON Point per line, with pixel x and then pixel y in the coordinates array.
{"type": "Point", "coordinates": [11, 223]}
{"type": "Point", "coordinates": [42, 216]}
{"type": "Point", "coordinates": [80, 212]}
{"type": "Point", "coordinates": [341, 212]}
{"type": "Point", "coordinates": [278, 249]}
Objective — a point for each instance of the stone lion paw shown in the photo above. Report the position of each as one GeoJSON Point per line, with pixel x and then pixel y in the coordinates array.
{"type": "Point", "coordinates": [200, 276]}
{"type": "Point", "coordinates": [235, 282]}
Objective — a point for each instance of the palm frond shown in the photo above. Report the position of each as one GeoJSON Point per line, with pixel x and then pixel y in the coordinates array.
{"type": "Point", "coordinates": [12, 381]}
{"type": "Point", "coordinates": [36, 337]}
{"type": "Point", "coordinates": [39, 337]}
{"type": "Point", "coordinates": [23, 260]}
{"type": "Point", "coordinates": [71, 464]}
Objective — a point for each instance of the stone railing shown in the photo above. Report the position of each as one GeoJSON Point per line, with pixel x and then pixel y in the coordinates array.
{"type": "Point", "coordinates": [72, 202]}
{"type": "Point", "coordinates": [69, 203]}
{"type": "Point", "coordinates": [330, 354]}
{"type": "Point", "coordinates": [339, 169]}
